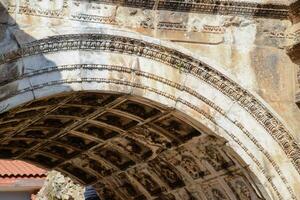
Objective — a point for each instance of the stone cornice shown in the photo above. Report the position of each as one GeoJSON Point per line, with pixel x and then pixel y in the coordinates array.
{"type": "Point", "coordinates": [210, 7]}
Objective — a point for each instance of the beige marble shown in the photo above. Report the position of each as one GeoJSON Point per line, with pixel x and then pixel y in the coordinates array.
{"type": "Point", "coordinates": [243, 91]}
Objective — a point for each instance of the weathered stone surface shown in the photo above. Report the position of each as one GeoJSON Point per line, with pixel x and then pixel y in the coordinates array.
{"type": "Point", "coordinates": [156, 99]}
{"type": "Point", "coordinates": [294, 53]}
{"type": "Point", "coordinates": [294, 49]}
{"type": "Point", "coordinates": [294, 12]}
{"type": "Point", "coordinates": [60, 187]}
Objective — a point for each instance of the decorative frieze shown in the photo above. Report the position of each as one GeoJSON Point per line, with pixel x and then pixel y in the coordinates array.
{"type": "Point", "coordinates": [210, 7]}
{"type": "Point", "coordinates": [203, 6]}
{"type": "Point", "coordinates": [183, 27]}
{"type": "Point", "coordinates": [283, 35]}
{"type": "Point", "coordinates": [93, 18]}
{"type": "Point", "coordinates": [57, 8]}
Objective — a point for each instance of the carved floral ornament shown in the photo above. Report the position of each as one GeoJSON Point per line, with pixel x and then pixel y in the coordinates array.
{"type": "Point", "coordinates": [173, 58]}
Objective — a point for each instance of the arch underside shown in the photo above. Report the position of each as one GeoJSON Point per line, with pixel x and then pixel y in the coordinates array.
{"type": "Point", "coordinates": [104, 136]}
{"type": "Point", "coordinates": [127, 147]}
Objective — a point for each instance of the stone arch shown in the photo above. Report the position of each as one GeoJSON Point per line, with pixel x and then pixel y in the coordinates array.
{"type": "Point", "coordinates": [156, 73]}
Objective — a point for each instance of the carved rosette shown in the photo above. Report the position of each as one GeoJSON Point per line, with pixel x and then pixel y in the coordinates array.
{"type": "Point", "coordinates": [294, 50]}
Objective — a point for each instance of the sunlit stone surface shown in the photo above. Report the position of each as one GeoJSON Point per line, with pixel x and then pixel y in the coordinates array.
{"type": "Point", "coordinates": [155, 99]}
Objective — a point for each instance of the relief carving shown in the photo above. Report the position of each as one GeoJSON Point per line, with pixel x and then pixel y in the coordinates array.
{"type": "Point", "coordinates": [138, 109]}
{"type": "Point", "coordinates": [134, 147]}
{"type": "Point", "coordinates": [202, 6]}
{"type": "Point", "coordinates": [153, 138]}
{"type": "Point", "coordinates": [92, 12]}
{"type": "Point", "coordinates": [217, 194]}
{"type": "Point", "coordinates": [242, 191]}
{"type": "Point", "coordinates": [178, 128]}
{"type": "Point", "coordinates": [214, 157]}
{"type": "Point", "coordinates": [97, 131]}
{"type": "Point", "coordinates": [166, 197]}
{"type": "Point", "coordinates": [106, 192]}
{"type": "Point", "coordinates": [147, 181]}
{"type": "Point", "coordinates": [129, 190]}
{"type": "Point", "coordinates": [241, 188]}
{"type": "Point", "coordinates": [180, 26]}
{"type": "Point", "coordinates": [168, 173]}
{"type": "Point", "coordinates": [115, 158]}
{"type": "Point", "coordinates": [45, 8]}
{"type": "Point", "coordinates": [192, 168]}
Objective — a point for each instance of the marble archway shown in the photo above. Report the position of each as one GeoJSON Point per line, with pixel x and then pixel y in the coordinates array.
{"type": "Point", "coordinates": [46, 120]}
{"type": "Point", "coordinates": [146, 150]}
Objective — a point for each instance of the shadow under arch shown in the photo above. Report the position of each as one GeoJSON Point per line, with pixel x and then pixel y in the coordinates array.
{"type": "Point", "coordinates": [143, 148]}
{"type": "Point", "coordinates": [126, 67]}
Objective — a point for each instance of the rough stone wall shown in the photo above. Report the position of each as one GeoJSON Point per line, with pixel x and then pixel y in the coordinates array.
{"type": "Point", "coordinates": [59, 187]}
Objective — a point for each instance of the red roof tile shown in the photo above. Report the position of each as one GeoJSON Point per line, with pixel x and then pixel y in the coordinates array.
{"type": "Point", "coordinates": [20, 169]}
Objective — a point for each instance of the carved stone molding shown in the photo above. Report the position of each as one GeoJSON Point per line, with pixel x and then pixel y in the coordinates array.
{"type": "Point", "coordinates": [210, 7]}
{"type": "Point", "coordinates": [220, 7]}
{"type": "Point", "coordinates": [174, 58]}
